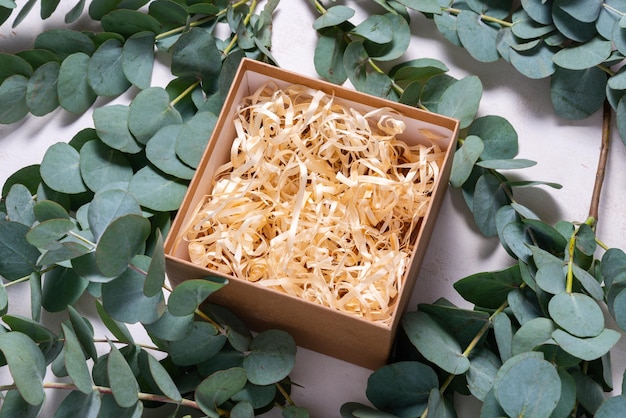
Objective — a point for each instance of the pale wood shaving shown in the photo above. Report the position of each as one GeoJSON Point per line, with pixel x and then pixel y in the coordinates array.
{"type": "Point", "coordinates": [318, 201]}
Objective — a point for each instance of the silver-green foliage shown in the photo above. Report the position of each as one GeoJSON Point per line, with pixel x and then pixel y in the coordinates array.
{"type": "Point", "coordinates": [88, 221]}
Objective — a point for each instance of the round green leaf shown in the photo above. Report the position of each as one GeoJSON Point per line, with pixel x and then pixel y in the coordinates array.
{"type": "Point", "coordinates": [334, 16]}
{"type": "Point", "coordinates": [464, 159]}
{"type": "Point", "coordinates": [613, 266]}
{"type": "Point", "coordinates": [588, 282]}
{"type": "Point", "coordinates": [37, 57]}
{"type": "Point", "coordinates": [74, 92]}
{"type": "Point", "coordinates": [109, 205]}
{"type": "Point", "coordinates": [434, 342]}
{"type": "Point", "coordinates": [138, 59]}
{"type": "Point", "coordinates": [122, 380]}
{"type": "Point", "coordinates": [551, 278]}
{"type": "Point", "coordinates": [401, 38]}
{"type": "Point", "coordinates": [188, 295]}
{"type": "Point", "coordinates": [484, 365]}
{"type": "Point", "coordinates": [20, 205]}
{"type": "Point", "coordinates": [13, 93]}
{"type": "Point", "coordinates": [124, 299]}
{"type": "Point", "coordinates": [585, 55]}
{"type": "Point", "coordinates": [157, 191]}
{"type": "Point", "coordinates": [193, 137]}
{"type": "Point", "coordinates": [477, 37]}
{"type": "Point", "coordinates": [498, 135]}
{"type": "Point", "coordinates": [612, 407]}
{"type": "Point", "coordinates": [112, 127]}
{"type": "Point", "coordinates": [41, 92]}
{"type": "Point", "coordinates": [50, 231]}
{"type": "Point", "coordinates": [461, 99]}
{"type": "Point", "coordinates": [540, 11]}
{"type": "Point", "coordinates": [171, 328]}
{"type": "Point", "coordinates": [27, 176]}
{"type": "Point", "coordinates": [75, 362]}
{"type": "Point", "coordinates": [200, 344]}
{"type": "Point", "coordinates": [27, 365]}
{"type": "Point", "coordinates": [195, 54]}
{"type": "Point", "coordinates": [161, 152]}
{"type": "Point", "coordinates": [64, 43]}
{"type": "Point", "coordinates": [60, 169]}
{"type": "Point", "coordinates": [530, 387]}
{"type": "Point", "coordinates": [256, 396]}
{"type": "Point", "coordinates": [489, 289]}
{"type": "Point", "coordinates": [219, 387]}
{"type": "Point", "coordinates": [120, 242]}
{"type": "Point", "coordinates": [161, 377]}
{"type": "Point", "coordinates": [104, 71]}
{"type": "Point", "coordinates": [489, 197]}
{"type": "Point", "coordinates": [118, 329]}
{"type": "Point", "coordinates": [617, 307]}
{"type": "Point", "coordinates": [149, 111]}
{"type": "Point", "coordinates": [128, 22]}
{"type": "Point", "coordinates": [169, 13]}
{"type": "Point", "coordinates": [587, 348]}
{"type": "Point", "coordinates": [401, 388]}
{"type": "Point", "coordinates": [11, 64]}
{"type": "Point", "coordinates": [577, 94]}
{"type": "Point", "coordinates": [271, 358]}
{"type": "Point", "coordinates": [13, 405]}
{"type": "Point", "coordinates": [101, 165]}
{"type": "Point", "coordinates": [535, 63]}
{"type": "Point", "coordinates": [577, 314]}
{"type": "Point", "coordinates": [532, 334]}
{"type": "Point", "coordinates": [569, 26]}
{"type": "Point", "coordinates": [376, 28]}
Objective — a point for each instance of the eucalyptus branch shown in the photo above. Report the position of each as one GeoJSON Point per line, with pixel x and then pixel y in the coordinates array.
{"type": "Point", "coordinates": [108, 340]}
{"type": "Point", "coordinates": [484, 18]}
{"type": "Point", "coordinates": [83, 239]}
{"type": "Point", "coordinates": [184, 93]}
{"type": "Point", "coordinates": [246, 20]}
{"type": "Point", "coordinates": [602, 161]}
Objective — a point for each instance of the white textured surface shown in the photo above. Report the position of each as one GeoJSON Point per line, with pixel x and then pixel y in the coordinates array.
{"type": "Point", "coordinates": [566, 153]}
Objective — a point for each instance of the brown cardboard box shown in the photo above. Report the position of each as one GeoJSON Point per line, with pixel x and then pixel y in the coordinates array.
{"type": "Point", "coordinates": [313, 326]}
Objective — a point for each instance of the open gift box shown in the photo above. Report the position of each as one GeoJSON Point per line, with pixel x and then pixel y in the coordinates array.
{"type": "Point", "coordinates": [343, 335]}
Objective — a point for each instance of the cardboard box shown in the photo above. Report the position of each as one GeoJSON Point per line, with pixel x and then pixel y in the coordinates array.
{"type": "Point", "coordinates": [313, 326]}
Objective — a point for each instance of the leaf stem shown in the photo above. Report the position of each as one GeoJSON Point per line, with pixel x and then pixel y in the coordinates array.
{"type": "Point", "coordinates": [83, 239]}
{"type": "Point", "coordinates": [108, 340]}
{"type": "Point", "coordinates": [602, 161]}
{"type": "Point", "coordinates": [283, 392]}
{"type": "Point", "coordinates": [20, 280]}
{"type": "Point", "coordinates": [246, 20]}
{"type": "Point", "coordinates": [184, 93]}
{"type": "Point", "coordinates": [484, 18]}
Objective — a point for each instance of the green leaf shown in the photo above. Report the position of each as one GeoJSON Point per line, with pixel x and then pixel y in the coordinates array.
{"type": "Point", "coordinates": [535, 63]}
{"type": "Point", "coordinates": [13, 405]}
{"type": "Point", "coordinates": [200, 344]}
{"type": "Point", "coordinates": [124, 298]}
{"type": "Point", "coordinates": [157, 191]}
{"type": "Point", "coordinates": [334, 15]}
{"type": "Point", "coordinates": [60, 169]}
{"type": "Point", "coordinates": [138, 59]}
{"type": "Point", "coordinates": [188, 295]}
{"type": "Point", "coordinates": [13, 65]}
{"type": "Point", "coordinates": [129, 22]}
{"type": "Point", "coordinates": [490, 289]}
{"type": "Point", "coordinates": [194, 136]}
{"type": "Point", "coordinates": [532, 334]}
{"type": "Point", "coordinates": [434, 342]}
{"type": "Point", "coordinates": [26, 364]}
{"type": "Point", "coordinates": [424, 6]}
{"type": "Point", "coordinates": [120, 242]}
{"type": "Point", "coordinates": [328, 55]}
{"type": "Point", "coordinates": [504, 335]}
{"type": "Point", "coordinates": [111, 123]}
{"type": "Point", "coordinates": [61, 287]}
{"type": "Point", "coordinates": [271, 358]}
{"type": "Point", "coordinates": [155, 276]}
{"type": "Point", "coordinates": [219, 387]}
{"type": "Point", "coordinates": [45, 233]}
{"type": "Point", "coordinates": [489, 197]}
{"type": "Point", "coordinates": [160, 376]}
{"type": "Point", "coordinates": [75, 363]}
{"type": "Point", "coordinates": [13, 93]}
{"type": "Point", "coordinates": [401, 388]}
{"type": "Point", "coordinates": [171, 328]}
{"type": "Point", "coordinates": [104, 71]}
{"type": "Point", "coordinates": [585, 55]}
{"type": "Point", "coordinates": [121, 378]}
{"type": "Point", "coordinates": [461, 99]}
{"type": "Point", "coordinates": [161, 151]}
{"type": "Point", "coordinates": [47, 209]}
{"type": "Point", "coordinates": [84, 332]}
{"type": "Point", "coordinates": [75, 12]}
{"type": "Point", "coordinates": [4, 300]}
{"type": "Point", "coordinates": [41, 92]}
{"type": "Point", "coordinates": [484, 365]}
{"type": "Point", "coordinates": [613, 266]}
{"type": "Point", "coordinates": [477, 37]}
{"type": "Point", "coordinates": [587, 348]}
{"type": "Point", "coordinates": [401, 38]}
{"type": "Point", "coordinates": [108, 206]}
{"type": "Point", "coordinates": [20, 205]}
{"type": "Point", "coordinates": [74, 92]}
{"type": "Point", "coordinates": [101, 165]}
{"type": "Point", "coordinates": [149, 111]}
{"type": "Point", "coordinates": [588, 282]}
{"type": "Point", "coordinates": [18, 257]}
{"type": "Point", "coordinates": [118, 329]}
{"type": "Point", "coordinates": [375, 28]}
{"type": "Point", "coordinates": [570, 26]}
{"type": "Point", "coordinates": [195, 55]}
{"type": "Point", "coordinates": [65, 43]}
{"type": "Point", "coordinates": [498, 136]}
{"type": "Point", "coordinates": [577, 94]}
{"type": "Point", "coordinates": [528, 387]}
{"type": "Point", "coordinates": [577, 314]}
{"type": "Point", "coordinates": [464, 159]}
{"type": "Point", "coordinates": [551, 278]}
{"type": "Point", "coordinates": [27, 176]}
{"type": "Point", "coordinates": [612, 407]}
{"type": "Point", "coordinates": [512, 164]}
{"type": "Point", "coordinates": [78, 404]}
{"type": "Point", "coordinates": [584, 11]}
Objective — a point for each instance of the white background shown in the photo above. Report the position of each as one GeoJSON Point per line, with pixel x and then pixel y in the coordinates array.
{"type": "Point", "coordinates": [566, 153]}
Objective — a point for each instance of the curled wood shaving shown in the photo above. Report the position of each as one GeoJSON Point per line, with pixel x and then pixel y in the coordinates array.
{"type": "Point", "coordinates": [318, 201]}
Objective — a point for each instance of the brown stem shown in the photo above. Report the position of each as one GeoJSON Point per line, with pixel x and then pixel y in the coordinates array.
{"type": "Point", "coordinates": [602, 161]}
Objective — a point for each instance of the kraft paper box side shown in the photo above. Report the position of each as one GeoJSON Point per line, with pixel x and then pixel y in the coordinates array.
{"type": "Point", "coordinates": [313, 326]}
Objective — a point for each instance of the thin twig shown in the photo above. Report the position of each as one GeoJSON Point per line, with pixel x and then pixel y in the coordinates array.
{"type": "Point", "coordinates": [602, 161]}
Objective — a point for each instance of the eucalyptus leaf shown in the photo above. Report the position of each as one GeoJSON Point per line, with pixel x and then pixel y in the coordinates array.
{"type": "Point", "coordinates": [478, 37]}
{"type": "Point", "coordinates": [376, 28]}
{"type": "Point", "coordinates": [157, 191]}
{"type": "Point", "coordinates": [434, 342]}
{"type": "Point", "coordinates": [201, 343]}
{"type": "Point", "coordinates": [149, 111]}
{"type": "Point", "coordinates": [84, 332]}
{"type": "Point", "coordinates": [481, 375]}
{"type": "Point", "coordinates": [577, 314]}
{"type": "Point", "coordinates": [498, 135]}
{"type": "Point", "coordinates": [107, 206]}
{"type": "Point", "coordinates": [65, 43]}
{"type": "Point", "coordinates": [489, 197]}
{"type": "Point", "coordinates": [104, 71]}
{"type": "Point", "coordinates": [75, 361]}
{"type": "Point", "coordinates": [122, 380]}
{"type": "Point", "coordinates": [584, 56]}
{"type": "Point", "coordinates": [490, 289]}
{"type": "Point", "coordinates": [101, 165]}
{"type": "Point", "coordinates": [79, 404]}
{"type": "Point", "coordinates": [587, 348]}
{"type": "Point", "coordinates": [460, 100]}
{"type": "Point", "coordinates": [576, 94]}
{"type": "Point", "coordinates": [219, 387]}
{"type": "Point", "coordinates": [13, 92]}
{"type": "Point", "coordinates": [161, 151]}
{"type": "Point", "coordinates": [334, 16]}
{"type": "Point", "coordinates": [188, 295]}
{"type": "Point", "coordinates": [532, 334]}
{"type": "Point", "coordinates": [41, 92]}
{"type": "Point", "coordinates": [75, 94]}
{"type": "Point", "coordinates": [195, 55]}
{"type": "Point", "coordinates": [48, 232]}
{"type": "Point", "coordinates": [129, 22]}
{"type": "Point", "coordinates": [112, 126]}
{"type": "Point", "coordinates": [120, 242]}
{"type": "Point", "coordinates": [401, 38]}
{"type": "Point", "coordinates": [26, 364]}
{"type": "Point", "coordinates": [138, 59]}
{"type": "Point", "coordinates": [271, 358]}
{"type": "Point", "coordinates": [18, 258]}
{"type": "Point", "coordinates": [193, 138]}
{"type": "Point", "coordinates": [61, 287]}
{"type": "Point", "coordinates": [464, 159]}
{"type": "Point", "coordinates": [118, 329]}
{"type": "Point", "coordinates": [13, 405]}
{"type": "Point", "coordinates": [20, 205]}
